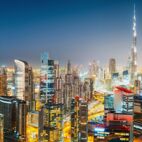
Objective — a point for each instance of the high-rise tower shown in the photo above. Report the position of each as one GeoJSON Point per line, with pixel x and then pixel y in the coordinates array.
{"type": "Point", "coordinates": [134, 49]}
{"type": "Point", "coordinates": [69, 67]}
{"type": "Point", "coordinates": [112, 66]}
{"type": "Point", "coordinates": [47, 81]}
{"type": "Point", "coordinates": [23, 82]}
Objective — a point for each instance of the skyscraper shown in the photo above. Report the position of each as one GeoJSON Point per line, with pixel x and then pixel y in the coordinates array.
{"type": "Point", "coordinates": [47, 83]}
{"type": "Point", "coordinates": [74, 118]}
{"type": "Point", "coordinates": [75, 83]}
{"type": "Point", "coordinates": [83, 121]}
{"type": "Point", "coordinates": [68, 87]}
{"type": "Point", "coordinates": [23, 81]}
{"type": "Point", "coordinates": [51, 82]}
{"type": "Point", "coordinates": [58, 83]}
{"type": "Point", "coordinates": [134, 49]}
{"type": "Point", "coordinates": [79, 120]}
{"type": "Point", "coordinates": [43, 76]}
{"type": "Point", "coordinates": [112, 66]}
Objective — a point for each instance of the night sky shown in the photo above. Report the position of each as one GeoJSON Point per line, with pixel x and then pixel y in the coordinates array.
{"type": "Point", "coordinates": [79, 30]}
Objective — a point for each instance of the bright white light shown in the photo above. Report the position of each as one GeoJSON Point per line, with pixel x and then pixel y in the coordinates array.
{"type": "Point", "coordinates": [99, 129]}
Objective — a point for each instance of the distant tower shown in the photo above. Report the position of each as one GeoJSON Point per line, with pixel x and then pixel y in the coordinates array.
{"type": "Point", "coordinates": [134, 49]}
{"type": "Point", "coordinates": [69, 67]}
{"type": "Point", "coordinates": [94, 68]}
{"type": "Point", "coordinates": [112, 65]}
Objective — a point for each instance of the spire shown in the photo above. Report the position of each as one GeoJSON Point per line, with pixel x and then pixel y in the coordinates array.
{"type": "Point", "coordinates": [134, 49]}
{"type": "Point", "coordinates": [134, 29]}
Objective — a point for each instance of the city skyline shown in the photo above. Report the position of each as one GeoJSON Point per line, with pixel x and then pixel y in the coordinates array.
{"type": "Point", "coordinates": [70, 71]}
{"type": "Point", "coordinates": [78, 31]}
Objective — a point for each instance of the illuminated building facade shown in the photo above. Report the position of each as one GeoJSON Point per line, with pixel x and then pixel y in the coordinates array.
{"type": "Point", "coordinates": [51, 97]}
{"type": "Point", "coordinates": [123, 100]}
{"type": "Point", "coordinates": [83, 121]}
{"type": "Point", "coordinates": [44, 77]}
{"type": "Point", "coordinates": [74, 119]}
{"type": "Point", "coordinates": [120, 126]}
{"type": "Point", "coordinates": [137, 115]}
{"type": "Point", "coordinates": [72, 86]}
{"type": "Point", "coordinates": [137, 86]}
{"type": "Point", "coordinates": [126, 77]}
{"type": "Point", "coordinates": [10, 81]}
{"type": "Point", "coordinates": [109, 101]}
{"type": "Point", "coordinates": [68, 93]}
{"type": "Point", "coordinates": [88, 89]}
{"type": "Point", "coordinates": [118, 103]}
{"type": "Point", "coordinates": [58, 84]}
{"type": "Point", "coordinates": [47, 83]}
{"type": "Point", "coordinates": [115, 79]}
{"type": "Point", "coordinates": [14, 112]}
{"type": "Point", "coordinates": [21, 112]}
{"type": "Point", "coordinates": [79, 120]}
{"type": "Point", "coordinates": [108, 104]}
{"type": "Point", "coordinates": [51, 81]}
{"type": "Point", "coordinates": [52, 122]}
{"type": "Point", "coordinates": [34, 125]}
{"type": "Point", "coordinates": [128, 104]}
{"type": "Point", "coordinates": [3, 81]}
{"type": "Point", "coordinates": [122, 115]}
{"type": "Point", "coordinates": [23, 82]}
{"type": "Point", "coordinates": [75, 85]}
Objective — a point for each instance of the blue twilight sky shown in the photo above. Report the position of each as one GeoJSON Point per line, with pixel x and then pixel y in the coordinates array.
{"type": "Point", "coordinates": [79, 30]}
